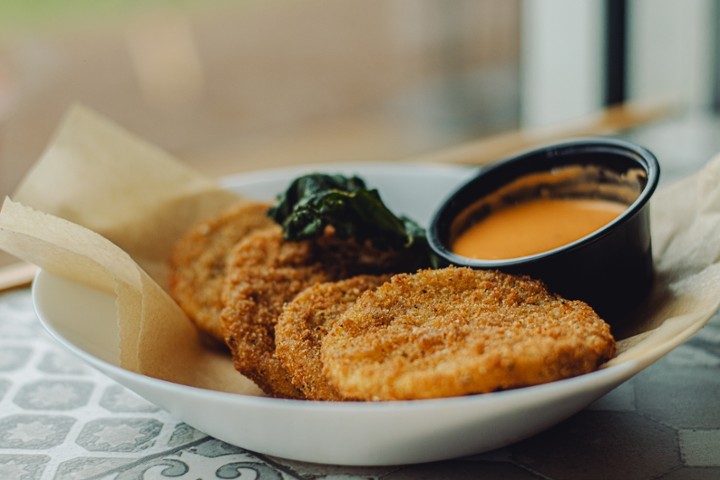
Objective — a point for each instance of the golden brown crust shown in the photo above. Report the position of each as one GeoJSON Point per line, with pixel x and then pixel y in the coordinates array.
{"type": "Point", "coordinates": [457, 331]}
{"type": "Point", "coordinates": [264, 272]}
{"type": "Point", "coordinates": [198, 262]}
{"type": "Point", "coordinates": [303, 324]}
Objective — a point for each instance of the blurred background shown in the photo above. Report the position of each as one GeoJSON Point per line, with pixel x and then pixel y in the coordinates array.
{"type": "Point", "coordinates": [236, 85]}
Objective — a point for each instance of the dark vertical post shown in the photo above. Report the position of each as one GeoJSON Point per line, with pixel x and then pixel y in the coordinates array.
{"type": "Point", "coordinates": [715, 61]}
{"type": "Point", "coordinates": [616, 26]}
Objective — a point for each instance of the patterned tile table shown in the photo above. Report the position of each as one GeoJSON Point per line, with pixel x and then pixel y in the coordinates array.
{"type": "Point", "coordinates": [61, 420]}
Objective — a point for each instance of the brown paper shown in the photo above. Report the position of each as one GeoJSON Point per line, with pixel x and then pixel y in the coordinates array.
{"type": "Point", "coordinates": [133, 201]}
{"type": "Point", "coordinates": [101, 177]}
{"type": "Point", "coordinates": [103, 207]}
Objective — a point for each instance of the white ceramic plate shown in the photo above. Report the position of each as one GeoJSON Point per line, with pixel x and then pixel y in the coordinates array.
{"type": "Point", "coordinates": [383, 433]}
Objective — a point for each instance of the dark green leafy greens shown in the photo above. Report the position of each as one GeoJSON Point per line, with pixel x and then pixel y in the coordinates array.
{"type": "Point", "coordinates": [313, 202]}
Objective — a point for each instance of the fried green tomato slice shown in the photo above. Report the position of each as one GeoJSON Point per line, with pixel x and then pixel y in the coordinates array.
{"type": "Point", "coordinates": [457, 331]}
{"type": "Point", "coordinates": [198, 263]}
{"type": "Point", "coordinates": [303, 324]}
{"type": "Point", "coordinates": [264, 273]}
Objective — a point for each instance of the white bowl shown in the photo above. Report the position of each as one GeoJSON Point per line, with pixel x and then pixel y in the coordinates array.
{"type": "Point", "coordinates": [347, 433]}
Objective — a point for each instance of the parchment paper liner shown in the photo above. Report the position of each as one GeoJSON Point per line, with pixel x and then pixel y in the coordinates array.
{"type": "Point", "coordinates": [103, 208]}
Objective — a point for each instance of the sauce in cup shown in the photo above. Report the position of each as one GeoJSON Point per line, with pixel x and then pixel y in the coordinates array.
{"type": "Point", "coordinates": [573, 214]}
{"type": "Point", "coordinates": [535, 226]}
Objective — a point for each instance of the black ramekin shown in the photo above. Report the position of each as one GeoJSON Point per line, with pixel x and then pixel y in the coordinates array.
{"type": "Point", "coordinates": [612, 268]}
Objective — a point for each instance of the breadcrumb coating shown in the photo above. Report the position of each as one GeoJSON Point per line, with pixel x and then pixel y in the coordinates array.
{"type": "Point", "coordinates": [198, 263]}
{"type": "Point", "coordinates": [303, 324]}
{"type": "Point", "coordinates": [264, 273]}
{"type": "Point", "coordinates": [457, 331]}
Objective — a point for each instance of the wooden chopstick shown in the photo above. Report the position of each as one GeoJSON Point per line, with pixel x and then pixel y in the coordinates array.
{"type": "Point", "coordinates": [16, 275]}
{"type": "Point", "coordinates": [611, 120]}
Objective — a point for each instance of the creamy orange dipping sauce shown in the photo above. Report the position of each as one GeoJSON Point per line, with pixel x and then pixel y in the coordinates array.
{"type": "Point", "coordinates": [534, 226]}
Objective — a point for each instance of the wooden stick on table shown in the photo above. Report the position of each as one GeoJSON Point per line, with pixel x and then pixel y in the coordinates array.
{"type": "Point", "coordinates": [16, 275]}
{"type": "Point", "coordinates": [611, 120]}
